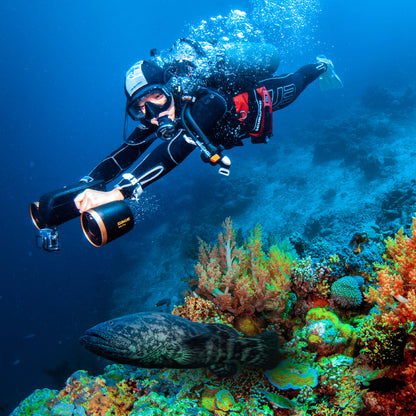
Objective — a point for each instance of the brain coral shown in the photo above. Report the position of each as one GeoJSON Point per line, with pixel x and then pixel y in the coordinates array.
{"type": "Point", "coordinates": [346, 291]}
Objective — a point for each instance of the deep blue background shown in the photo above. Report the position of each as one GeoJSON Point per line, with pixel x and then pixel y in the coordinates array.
{"type": "Point", "coordinates": [62, 65]}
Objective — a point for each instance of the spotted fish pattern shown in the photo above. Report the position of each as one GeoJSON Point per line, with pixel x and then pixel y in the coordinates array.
{"type": "Point", "coordinates": [161, 340]}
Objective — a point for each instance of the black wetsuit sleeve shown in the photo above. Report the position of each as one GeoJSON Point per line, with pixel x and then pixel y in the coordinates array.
{"type": "Point", "coordinates": [284, 89]}
{"type": "Point", "coordinates": [122, 158]}
{"type": "Point", "coordinates": [157, 163]}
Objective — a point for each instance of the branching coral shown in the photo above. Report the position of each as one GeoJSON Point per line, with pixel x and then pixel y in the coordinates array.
{"type": "Point", "coordinates": [395, 294]}
{"type": "Point", "coordinates": [380, 344]}
{"type": "Point", "coordinates": [197, 309]}
{"type": "Point", "coordinates": [395, 298]}
{"type": "Point", "coordinates": [311, 285]}
{"type": "Point", "coordinates": [244, 280]}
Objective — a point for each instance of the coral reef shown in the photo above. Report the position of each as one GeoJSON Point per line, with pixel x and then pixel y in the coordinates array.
{"type": "Point", "coordinates": [326, 334]}
{"type": "Point", "coordinates": [340, 355]}
{"type": "Point", "coordinates": [197, 309]}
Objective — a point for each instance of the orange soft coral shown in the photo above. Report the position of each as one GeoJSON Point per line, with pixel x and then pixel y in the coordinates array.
{"type": "Point", "coordinates": [244, 280]}
{"type": "Point", "coordinates": [395, 294]}
{"type": "Point", "coordinates": [197, 309]}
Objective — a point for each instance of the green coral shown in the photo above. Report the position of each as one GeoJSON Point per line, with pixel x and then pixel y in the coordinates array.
{"type": "Point", "coordinates": [346, 292]}
{"type": "Point", "coordinates": [339, 382]}
{"type": "Point", "coordinates": [290, 374]}
{"type": "Point", "coordinates": [380, 343]}
{"type": "Point", "coordinates": [347, 331]}
{"type": "Point", "coordinates": [155, 404]}
{"type": "Point", "coordinates": [36, 403]}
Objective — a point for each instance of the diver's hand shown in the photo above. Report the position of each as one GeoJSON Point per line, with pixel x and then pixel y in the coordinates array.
{"type": "Point", "coordinates": [91, 198]}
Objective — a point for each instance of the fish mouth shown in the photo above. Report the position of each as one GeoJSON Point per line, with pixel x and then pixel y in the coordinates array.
{"type": "Point", "coordinates": [91, 339]}
{"type": "Point", "coordinates": [105, 347]}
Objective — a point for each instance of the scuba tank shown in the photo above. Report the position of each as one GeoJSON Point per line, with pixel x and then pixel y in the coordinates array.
{"type": "Point", "coordinates": [251, 59]}
{"type": "Point", "coordinates": [207, 64]}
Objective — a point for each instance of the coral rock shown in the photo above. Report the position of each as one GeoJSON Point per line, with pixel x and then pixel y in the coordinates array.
{"type": "Point", "coordinates": [346, 292]}
{"type": "Point", "coordinates": [290, 374]}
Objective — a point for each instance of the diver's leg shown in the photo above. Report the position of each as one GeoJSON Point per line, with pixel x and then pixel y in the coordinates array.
{"type": "Point", "coordinates": [284, 89]}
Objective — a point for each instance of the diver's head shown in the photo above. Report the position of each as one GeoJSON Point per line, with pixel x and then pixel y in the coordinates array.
{"type": "Point", "coordinates": [148, 98]}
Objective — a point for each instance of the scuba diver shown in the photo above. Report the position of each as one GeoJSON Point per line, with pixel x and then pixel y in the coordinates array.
{"type": "Point", "coordinates": [213, 109]}
{"type": "Point", "coordinates": [198, 95]}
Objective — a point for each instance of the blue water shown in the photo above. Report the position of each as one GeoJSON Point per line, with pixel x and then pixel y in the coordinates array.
{"type": "Point", "coordinates": [61, 111]}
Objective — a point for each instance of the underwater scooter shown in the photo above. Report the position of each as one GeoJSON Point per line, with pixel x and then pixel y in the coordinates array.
{"type": "Point", "coordinates": [100, 225]}
{"type": "Point", "coordinates": [55, 208]}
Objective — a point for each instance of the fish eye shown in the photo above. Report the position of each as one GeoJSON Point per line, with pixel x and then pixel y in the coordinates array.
{"type": "Point", "coordinates": [111, 323]}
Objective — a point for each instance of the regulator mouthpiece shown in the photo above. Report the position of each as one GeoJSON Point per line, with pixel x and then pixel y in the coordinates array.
{"type": "Point", "coordinates": [166, 128]}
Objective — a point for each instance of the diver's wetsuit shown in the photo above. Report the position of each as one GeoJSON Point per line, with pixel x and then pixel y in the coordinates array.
{"type": "Point", "coordinates": [218, 120]}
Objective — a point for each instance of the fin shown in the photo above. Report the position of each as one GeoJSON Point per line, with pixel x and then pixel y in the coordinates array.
{"type": "Point", "coordinates": [222, 330]}
{"type": "Point", "coordinates": [261, 350]}
{"type": "Point", "coordinates": [224, 370]}
{"type": "Point", "coordinates": [185, 359]}
{"type": "Point", "coordinates": [198, 341]}
{"type": "Point", "coordinates": [329, 80]}
{"type": "Point", "coordinates": [193, 349]}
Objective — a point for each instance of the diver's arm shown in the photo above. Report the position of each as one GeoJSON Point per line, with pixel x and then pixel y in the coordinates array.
{"type": "Point", "coordinates": [122, 158]}
{"type": "Point", "coordinates": [285, 88]}
{"type": "Point", "coordinates": [158, 163]}
{"type": "Point", "coordinates": [110, 168]}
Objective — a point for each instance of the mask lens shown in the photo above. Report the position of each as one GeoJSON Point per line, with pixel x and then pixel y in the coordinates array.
{"type": "Point", "coordinates": [134, 111]}
{"type": "Point", "coordinates": [149, 104]}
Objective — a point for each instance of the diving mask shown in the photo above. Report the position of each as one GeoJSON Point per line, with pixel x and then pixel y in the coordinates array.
{"type": "Point", "coordinates": [149, 102]}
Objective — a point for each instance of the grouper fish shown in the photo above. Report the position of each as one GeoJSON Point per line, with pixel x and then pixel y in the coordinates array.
{"type": "Point", "coordinates": [161, 340]}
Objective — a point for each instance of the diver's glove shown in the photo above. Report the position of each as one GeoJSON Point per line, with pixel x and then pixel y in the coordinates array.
{"type": "Point", "coordinates": [329, 80]}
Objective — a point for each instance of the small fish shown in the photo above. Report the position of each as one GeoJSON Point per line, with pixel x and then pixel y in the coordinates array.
{"type": "Point", "coordinates": [278, 400]}
{"type": "Point", "coordinates": [163, 302]}
{"type": "Point", "coordinates": [161, 340]}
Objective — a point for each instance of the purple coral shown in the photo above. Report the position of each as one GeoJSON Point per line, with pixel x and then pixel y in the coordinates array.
{"type": "Point", "coordinates": [346, 292]}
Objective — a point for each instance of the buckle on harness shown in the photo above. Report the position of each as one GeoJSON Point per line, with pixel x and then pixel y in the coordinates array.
{"type": "Point", "coordinates": [263, 126]}
{"type": "Point", "coordinates": [241, 105]}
